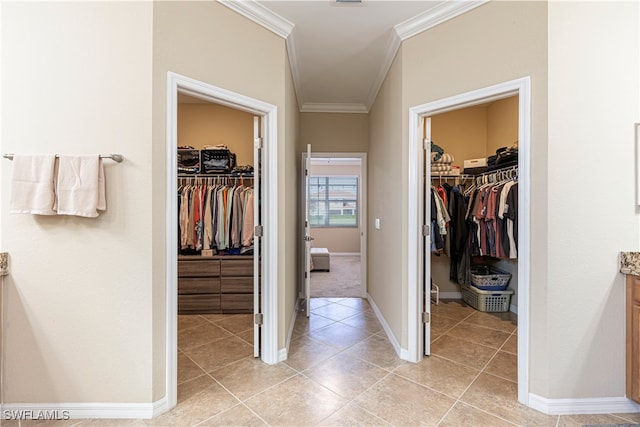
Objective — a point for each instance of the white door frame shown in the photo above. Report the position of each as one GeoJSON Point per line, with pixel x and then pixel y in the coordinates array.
{"type": "Point", "coordinates": [522, 88]}
{"type": "Point", "coordinates": [180, 84]}
{"type": "Point", "coordinates": [362, 216]}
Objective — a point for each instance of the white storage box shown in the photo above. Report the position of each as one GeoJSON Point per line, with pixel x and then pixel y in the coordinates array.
{"type": "Point", "coordinates": [475, 163]}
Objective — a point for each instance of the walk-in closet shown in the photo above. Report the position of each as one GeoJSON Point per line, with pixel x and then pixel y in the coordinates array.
{"type": "Point", "coordinates": [473, 193]}
{"type": "Point", "coordinates": [217, 201]}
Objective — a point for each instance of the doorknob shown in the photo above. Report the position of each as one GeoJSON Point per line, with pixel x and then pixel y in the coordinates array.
{"type": "Point", "coordinates": [308, 238]}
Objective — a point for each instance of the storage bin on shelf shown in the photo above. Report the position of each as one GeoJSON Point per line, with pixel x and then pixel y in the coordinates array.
{"type": "Point", "coordinates": [490, 301]}
{"type": "Point", "coordinates": [489, 278]}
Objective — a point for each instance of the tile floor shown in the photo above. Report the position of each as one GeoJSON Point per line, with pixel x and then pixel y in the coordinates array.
{"type": "Point", "coordinates": [343, 371]}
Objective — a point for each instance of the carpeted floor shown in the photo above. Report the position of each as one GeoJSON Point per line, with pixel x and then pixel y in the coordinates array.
{"type": "Point", "coordinates": [341, 282]}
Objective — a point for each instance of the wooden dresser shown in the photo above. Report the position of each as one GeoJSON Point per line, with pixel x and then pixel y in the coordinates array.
{"type": "Point", "coordinates": [630, 265]}
{"type": "Point", "coordinates": [633, 337]}
{"type": "Point", "coordinates": [215, 284]}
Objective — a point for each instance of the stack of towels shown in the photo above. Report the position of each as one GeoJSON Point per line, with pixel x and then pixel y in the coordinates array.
{"type": "Point", "coordinates": [58, 185]}
{"type": "Point", "coordinates": [441, 166]}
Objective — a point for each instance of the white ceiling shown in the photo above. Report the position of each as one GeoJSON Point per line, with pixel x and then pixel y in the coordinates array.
{"type": "Point", "coordinates": [340, 52]}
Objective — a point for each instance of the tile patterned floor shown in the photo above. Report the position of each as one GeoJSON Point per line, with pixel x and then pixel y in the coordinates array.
{"type": "Point", "coordinates": [343, 371]}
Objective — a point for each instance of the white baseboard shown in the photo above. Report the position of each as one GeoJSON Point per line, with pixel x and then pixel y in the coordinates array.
{"type": "Point", "coordinates": [596, 405]}
{"type": "Point", "coordinates": [450, 295]}
{"type": "Point", "coordinates": [345, 253]}
{"type": "Point", "coordinates": [513, 308]}
{"type": "Point", "coordinates": [402, 353]}
{"type": "Point", "coordinates": [283, 353]}
{"type": "Point", "coordinates": [61, 411]}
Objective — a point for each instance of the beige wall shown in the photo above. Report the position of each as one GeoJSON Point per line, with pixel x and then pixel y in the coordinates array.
{"type": "Point", "coordinates": [509, 39]}
{"type": "Point", "coordinates": [386, 270]}
{"type": "Point", "coordinates": [77, 311]}
{"type": "Point", "coordinates": [200, 125]}
{"type": "Point", "coordinates": [334, 132]}
{"type": "Point", "coordinates": [593, 103]}
{"type": "Point", "coordinates": [293, 267]}
{"type": "Point", "coordinates": [91, 326]}
{"type": "Point", "coordinates": [502, 117]}
{"type": "Point", "coordinates": [461, 133]}
{"type": "Point", "coordinates": [190, 38]}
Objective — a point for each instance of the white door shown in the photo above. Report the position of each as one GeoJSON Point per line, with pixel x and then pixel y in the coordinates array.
{"type": "Point", "coordinates": [425, 124]}
{"type": "Point", "coordinates": [307, 233]}
{"type": "Point", "coordinates": [257, 221]}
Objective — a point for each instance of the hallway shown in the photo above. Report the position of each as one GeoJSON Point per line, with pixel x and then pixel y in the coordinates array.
{"type": "Point", "coordinates": [342, 370]}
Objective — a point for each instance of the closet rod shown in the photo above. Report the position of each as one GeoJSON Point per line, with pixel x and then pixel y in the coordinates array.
{"type": "Point", "coordinates": [212, 175]}
{"type": "Point", "coordinates": [115, 157]}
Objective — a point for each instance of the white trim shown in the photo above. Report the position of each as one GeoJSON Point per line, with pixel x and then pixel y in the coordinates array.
{"type": "Point", "coordinates": [284, 352]}
{"type": "Point", "coordinates": [450, 295]}
{"type": "Point", "coordinates": [513, 308]}
{"type": "Point", "coordinates": [597, 405]}
{"type": "Point", "coordinates": [522, 88]}
{"type": "Point", "coordinates": [362, 191]}
{"type": "Point", "coordinates": [265, 17]}
{"type": "Point", "coordinates": [438, 14]}
{"type": "Point", "coordinates": [402, 353]}
{"type": "Point", "coordinates": [393, 44]}
{"type": "Point", "coordinates": [261, 15]}
{"type": "Point", "coordinates": [295, 68]}
{"type": "Point", "coordinates": [344, 253]}
{"type": "Point", "coordinates": [269, 344]}
{"type": "Point", "coordinates": [435, 16]}
{"type": "Point", "coordinates": [312, 107]}
{"type": "Point", "coordinates": [90, 410]}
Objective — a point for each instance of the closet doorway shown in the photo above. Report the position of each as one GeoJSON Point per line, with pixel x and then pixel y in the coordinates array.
{"type": "Point", "coordinates": [421, 177]}
{"type": "Point", "coordinates": [336, 197]}
{"type": "Point", "coordinates": [233, 278]}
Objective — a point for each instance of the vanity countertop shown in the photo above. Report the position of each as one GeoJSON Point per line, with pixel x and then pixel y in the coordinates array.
{"type": "Point", "coordinates": [630, 263]}
{"type": "Point", "coordinates": [4, 263]}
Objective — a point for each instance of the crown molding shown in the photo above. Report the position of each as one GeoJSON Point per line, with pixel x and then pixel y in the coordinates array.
{"type": "Point", "coordinates": [294, 67]}
{"type": "Point", "coordinates": [443, 12]}
{"type": "Point", "coordinates": [311, 107]}
{"type": "Point", "coordinates": [393, 44]}
{"type": "Point", "coordinates": [436, 15]}
{"type": "Point", "coordinates": [268, 19]}
{"type": "Point", "coordinates": [261, 15]}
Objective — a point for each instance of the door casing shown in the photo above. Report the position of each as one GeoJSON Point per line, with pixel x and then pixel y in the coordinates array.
{"type": "Point", "coordinates": [177, 83]}
{"type": "Point", "coordinates": [362, 214]}
{"type": "Point", "coordinates": [415, 174]}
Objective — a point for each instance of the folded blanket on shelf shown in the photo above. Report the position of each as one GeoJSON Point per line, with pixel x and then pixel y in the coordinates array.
{"type": "Point", "coordinates": [441, 168]}
{"type": "Point", "coordinates": [445, 158]}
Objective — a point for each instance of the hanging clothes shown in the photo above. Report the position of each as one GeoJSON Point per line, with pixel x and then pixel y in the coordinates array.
{"type": "Point", "coordinates": [493, 220]}
{"type": "Point", "coordinates": [215, 217]}
{"type": "Point", "coordinates": [479, 220]}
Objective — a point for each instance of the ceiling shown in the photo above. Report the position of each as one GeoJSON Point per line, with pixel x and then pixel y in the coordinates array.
{"type": "Point", "coordinates": [340, 52]}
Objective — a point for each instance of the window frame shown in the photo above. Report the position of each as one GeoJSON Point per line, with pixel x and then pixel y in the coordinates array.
{"type": "Point", "coordinates": [327, 201]}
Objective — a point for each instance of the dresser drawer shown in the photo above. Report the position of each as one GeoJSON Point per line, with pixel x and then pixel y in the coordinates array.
{"type": "Point", "coordinates": [198, 285]}
{"type": "Point", "coordinates": [199, 268]}
{"type": "Point", "coordinates": [237, 267]}
{"type": "Point", "coordinates": [198, 303]}
{"type": "Point", "coordinates": [237, 285]}
{"type": "Point", "coordinates": [237, 303]}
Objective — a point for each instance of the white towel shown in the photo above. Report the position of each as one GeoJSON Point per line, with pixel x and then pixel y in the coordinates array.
{"type": "Point", "coordinates": [80, 186]}
{"type": "Point", "coordinates": [32, 184]}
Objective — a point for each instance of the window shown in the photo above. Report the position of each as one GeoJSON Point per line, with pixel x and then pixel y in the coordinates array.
{"type": "Point", "coordinates": [333, 201]}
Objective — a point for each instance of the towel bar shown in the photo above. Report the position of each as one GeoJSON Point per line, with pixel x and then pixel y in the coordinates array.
{"type": "Point", "coordinates": [115, 157]}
